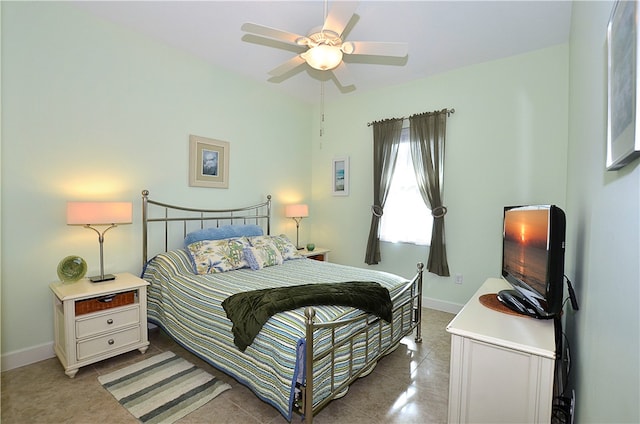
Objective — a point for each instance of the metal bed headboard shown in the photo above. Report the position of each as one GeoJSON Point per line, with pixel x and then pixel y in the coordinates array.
{"type": "Point", "coordinates": [192, 219]}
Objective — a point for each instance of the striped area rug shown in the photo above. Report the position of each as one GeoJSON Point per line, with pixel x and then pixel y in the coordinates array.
{"type": "Point", "coordinates": [163, 388]}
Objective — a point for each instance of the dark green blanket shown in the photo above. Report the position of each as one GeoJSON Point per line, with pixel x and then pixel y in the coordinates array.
{"type": "Point", "coordinates": [249, 311]}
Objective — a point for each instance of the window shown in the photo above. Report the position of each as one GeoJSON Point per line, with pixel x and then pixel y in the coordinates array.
{"type": "Point", "coordinates": [406, 218]}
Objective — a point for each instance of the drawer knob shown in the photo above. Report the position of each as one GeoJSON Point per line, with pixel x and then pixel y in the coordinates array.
{"type": "Point", "coordinates": [111, 341]}
{"type": "Point", "coordinates": [109, 321]}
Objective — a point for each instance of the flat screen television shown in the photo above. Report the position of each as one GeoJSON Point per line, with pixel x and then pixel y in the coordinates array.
{"type": "Point", "coordinates": [533, 259]}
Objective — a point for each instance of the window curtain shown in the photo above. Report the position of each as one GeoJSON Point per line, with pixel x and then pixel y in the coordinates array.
{"type": "Point", "coordinates": [386, 139]}
{"type": "Point", "coordinates": [427, 141]}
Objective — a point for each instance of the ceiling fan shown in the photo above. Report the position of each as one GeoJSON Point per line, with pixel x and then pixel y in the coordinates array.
{"type": "Point", "coordinates": [325, 45]}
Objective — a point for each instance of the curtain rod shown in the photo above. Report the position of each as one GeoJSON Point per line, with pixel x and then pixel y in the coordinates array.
{"type": "Point", "coordinates": [448, 111]}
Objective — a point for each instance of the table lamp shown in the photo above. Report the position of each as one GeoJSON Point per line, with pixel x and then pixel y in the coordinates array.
{"type": "Point", "coordinates": [297, 212]}
{"type": "Point", "coordinates": [90, 214]}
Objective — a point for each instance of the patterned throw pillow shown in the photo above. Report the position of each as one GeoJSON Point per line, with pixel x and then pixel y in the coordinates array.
{"type": "Point", "coordinates": [211, 256]}
{"type": "Point", "coordinates": [260, 257]}
{"type": "Point", "coordinates": [287, 249]}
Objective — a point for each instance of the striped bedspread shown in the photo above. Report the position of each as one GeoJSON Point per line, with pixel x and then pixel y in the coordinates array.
{"type": "Point", "coordinates": [188, 307]}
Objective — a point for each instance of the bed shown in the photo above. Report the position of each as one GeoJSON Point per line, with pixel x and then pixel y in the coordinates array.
{"type": "Point", "coordinates": [301, 359]}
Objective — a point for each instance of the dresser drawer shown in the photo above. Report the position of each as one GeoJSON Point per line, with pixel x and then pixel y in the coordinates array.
{"type": "Point", "coordinates": [107, 321]}
{"type": "Point", "coordinates": [108, 342]}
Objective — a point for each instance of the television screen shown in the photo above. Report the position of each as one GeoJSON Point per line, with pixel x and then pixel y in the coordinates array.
{"type": "Point", "coordinates": [526, 246]}
{"type": "Point", "coordinates": [533, 259]}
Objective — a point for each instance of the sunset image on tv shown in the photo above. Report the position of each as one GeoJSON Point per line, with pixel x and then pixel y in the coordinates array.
{"type": "Point", "coordinates": [525, 246]}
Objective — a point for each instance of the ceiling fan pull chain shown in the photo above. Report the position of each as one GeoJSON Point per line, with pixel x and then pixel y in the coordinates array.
{"type": "Point", "coordinates": [321, 108]}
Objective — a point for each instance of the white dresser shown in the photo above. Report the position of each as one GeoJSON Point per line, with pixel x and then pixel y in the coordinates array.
{"type": "Point", "coordinates": [502, 365]}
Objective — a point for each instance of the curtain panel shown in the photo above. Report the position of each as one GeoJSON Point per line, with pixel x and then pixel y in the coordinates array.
{"type": "Point", "coordinates": [427, 144]}
{"type": "Point", "coordinates": [386, 139]}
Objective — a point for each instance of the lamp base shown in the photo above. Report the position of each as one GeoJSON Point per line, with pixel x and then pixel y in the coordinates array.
{"type": "Point", "coordinates": [100, 278]}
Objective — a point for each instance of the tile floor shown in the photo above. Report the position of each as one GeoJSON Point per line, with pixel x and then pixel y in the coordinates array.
{"type": "Point", "coordinates": [408, 386]}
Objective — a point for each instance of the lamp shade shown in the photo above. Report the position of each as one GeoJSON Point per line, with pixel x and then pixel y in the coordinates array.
{"type": "Point", "coordinates": [296, 211]}
{"type": "Point", "coordinates": [323, 57]}
{"type": "Point", "coordinates": [99, 213]}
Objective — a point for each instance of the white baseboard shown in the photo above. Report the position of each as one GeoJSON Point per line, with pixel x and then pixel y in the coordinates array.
{"type": "Point", "coordinates": [28, 356]}
{"type": "Point", "coordinates": [441, 305]}
{"type": "Point", "coordinates": [31, 355]}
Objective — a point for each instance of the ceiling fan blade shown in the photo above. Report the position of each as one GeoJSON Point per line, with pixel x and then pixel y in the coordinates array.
{"type": "Point", "coordinates": [376, 48]}
{"type": "Point", "coordinates": [343, 75]}
{"type": "Point", "coordinates": [339, 16]}
{"type": "Point", "coordinates": [290, 64]}
{"type": "Point", "coordinates": [276, 34]}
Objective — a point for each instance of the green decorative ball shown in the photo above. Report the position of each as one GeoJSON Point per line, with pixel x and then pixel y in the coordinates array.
{"type": "Point", "coordinates": [310, 247]}
{"type": "Point", "coordinates": [71, 269]}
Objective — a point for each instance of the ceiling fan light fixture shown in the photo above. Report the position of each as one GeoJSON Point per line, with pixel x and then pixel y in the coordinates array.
{"type": "Point", "coordinates": [323, 57]}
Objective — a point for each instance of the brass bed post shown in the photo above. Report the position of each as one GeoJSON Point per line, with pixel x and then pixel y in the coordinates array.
{"type": "Point", "coordinates": [419, 311]}
{"type": "Point", "coordinates": [307, 395]}
{"type": "Point", "coordinates": [145, 194]}
{"type": "Point", "coordinates": [269, 214]}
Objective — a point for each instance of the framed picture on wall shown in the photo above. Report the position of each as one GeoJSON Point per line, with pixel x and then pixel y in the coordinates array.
{"type": "Point", "coordinates": [623, 138]}
{"type": "Point", "coordinates": [208, 162]}
{"type": "Point", "coordinates": [340, 176]}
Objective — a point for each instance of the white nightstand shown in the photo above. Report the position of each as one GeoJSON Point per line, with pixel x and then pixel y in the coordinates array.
{"type": "Point", "coordinates": [319, 254]}
{"type": "Point", "coordinates": [96, 321]}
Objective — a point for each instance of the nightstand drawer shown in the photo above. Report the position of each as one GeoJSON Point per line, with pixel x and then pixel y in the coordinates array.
{"type": "Point", "coordinates": [108, 321]}
{"type": "Point", "coordinates": [107, 343]}
{"type": "Point", "coordinates": [100, 303]}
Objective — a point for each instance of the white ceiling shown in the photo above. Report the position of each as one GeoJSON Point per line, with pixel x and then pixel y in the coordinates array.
{"type": "Point", "coordinates": [442, 35]}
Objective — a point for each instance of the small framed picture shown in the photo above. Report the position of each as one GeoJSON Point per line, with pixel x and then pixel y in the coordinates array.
{"type": "Point", "coordinates": [208, 162]}
{"type": "Point", "coordinates": [340, 177]}
{"type": "Point", "coordinates": [623, 138]}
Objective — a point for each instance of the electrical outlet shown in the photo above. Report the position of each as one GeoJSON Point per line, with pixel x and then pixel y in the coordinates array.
{"type": "Point", "coordinates": [458, 278]}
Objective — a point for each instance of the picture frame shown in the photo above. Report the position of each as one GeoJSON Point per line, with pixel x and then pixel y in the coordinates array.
{"type": "Point", "coordinates": [340, 176]}
{"type": "Point", "coordinates": [623, 135]}
{"type": "Point", "coordinates": [208, 162]}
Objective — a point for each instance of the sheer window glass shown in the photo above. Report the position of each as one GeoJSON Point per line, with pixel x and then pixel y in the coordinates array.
{"type": "Point", "coordinates": [406, 218]}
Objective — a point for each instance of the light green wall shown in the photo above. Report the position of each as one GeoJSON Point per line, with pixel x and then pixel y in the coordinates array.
{"type": "Point", "coordinates": [506, 144]}
{"type": "Point", "coordinates": [603, 240]}
{"type": "Point", "coordinates": [91, 111]}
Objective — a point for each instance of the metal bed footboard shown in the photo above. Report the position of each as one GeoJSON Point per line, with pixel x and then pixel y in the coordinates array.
{"type": "Point", "coordinates": [371, 324]}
